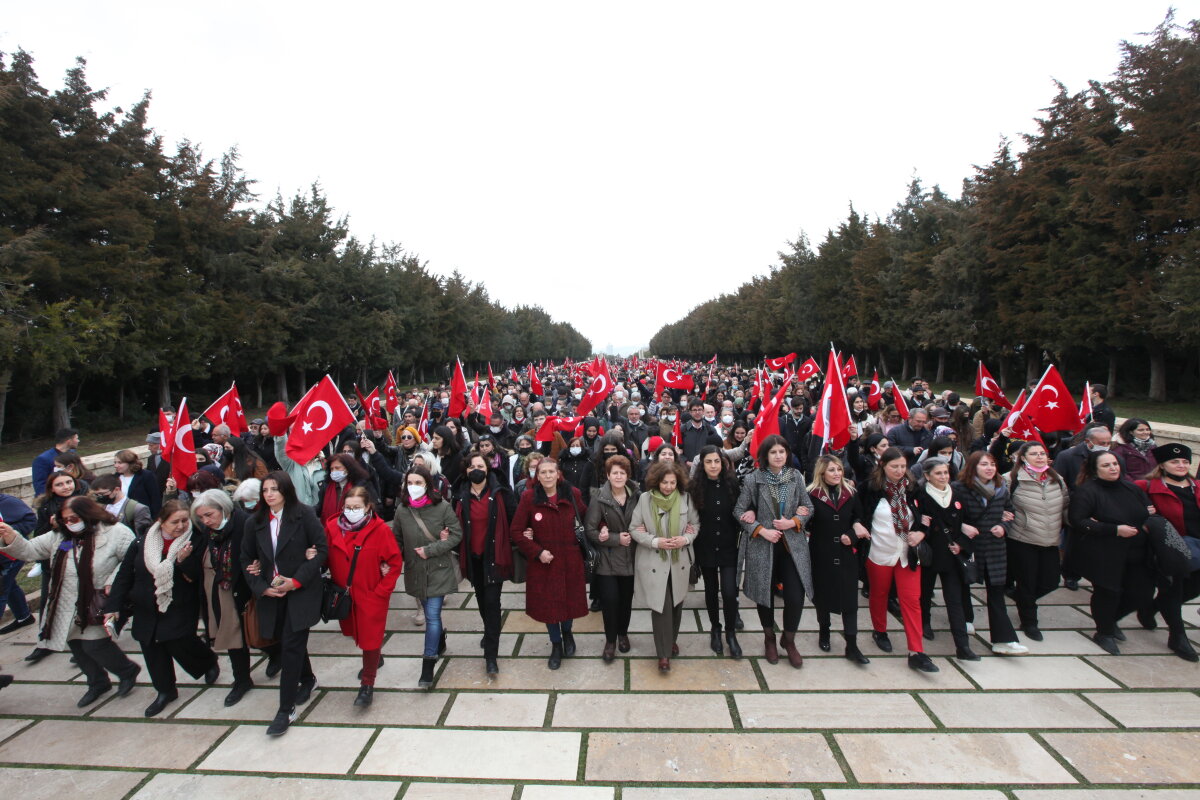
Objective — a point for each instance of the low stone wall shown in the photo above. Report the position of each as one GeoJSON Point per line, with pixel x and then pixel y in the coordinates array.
{"type": "Point", "coordinates": [19, 482]}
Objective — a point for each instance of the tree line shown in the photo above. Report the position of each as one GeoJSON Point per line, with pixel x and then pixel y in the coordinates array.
{"type": "Point", "coordinates": [128, 272]}
{"type": "Point", "coordinates": [1083, 249]}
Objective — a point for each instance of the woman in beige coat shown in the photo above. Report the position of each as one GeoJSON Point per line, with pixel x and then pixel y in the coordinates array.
{"type": "Point", "coordinates": [1040, 500]}
{"type": "Point", "coordinates": [664, 525]}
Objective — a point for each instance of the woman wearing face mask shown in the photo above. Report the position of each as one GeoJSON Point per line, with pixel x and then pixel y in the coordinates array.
{"type": "Point", "coordinates": [343, 473]}
{"type": "Point", "coordinates": [495, 456]}
{"type": "Point", "coordinates": [608, 523]}
{"type": "Point", "coordinates": [60, 487]}
{"type": "Point", "coordinates": [576, 466]}
{"type": "Point", "coordinates": [773, 507]}
{"type": "Point", "coordinates": [664, 527]}
{"type": "Point", "coordinates": [714, 492]}
{"type": "Point", "coordinates": [517, 426]}
{"type": "Point", "coordinates": [85, 545]}
{"type": "Point", "coordinates": [1136, 447]}
{"type": "Point", "coordinates": [523, 446]}
{"type": "Point", "coordinates": [1108, 544]}
{"type": "Point", "coordinates": [161, 577]}
{"type": "Point", "coordinates": [225, 592]}
{"type": "Point", "coordinates": [889, 504]}
{"type": "Point", "coordinates": [1039, 503]}
{"type": "Point", "coordinates": [484, 507]}
{"type": "Point", "coordinates": [736, 448]}
{"type": "Point", "coordinates": [246, 495]}
{"type": "Point", "coordinates": [429, 531]}
{"type": "Point", "coordinates": [528, 480]}
{"type": "Point", "coordinates": [361, 543]}
{"type": "Point", "coordinates": [445, 444]}
{"type": "Point", "coordinates": [987, 516]}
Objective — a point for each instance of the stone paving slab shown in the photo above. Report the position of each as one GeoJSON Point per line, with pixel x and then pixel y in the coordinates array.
{"type": "Point", "coordinates": [1128, 757]}
{"type": "Point", "coordinates": [692, 675]}
{"type": "Point", "coordinates": [544, 792]}
{"type": "Point", "coordinates": [133, 705]}
{"type": "Point", "coordinates": [641, 711]}
{"type": "Point", "coordinates": [1107, 794]}
{"type": "Point", "coordinates": [458, 791]}
{"type": "Point", "coordinates": [1013, 710]}
{"type": "Point", "coordinates": [8, 727]}
{"type": "Point", "coordinates": [55, 667]}
{"type": "Point", "coordinates": [160, 745]}
{"type": "Point", "coordinates": [341, 672]}
{"type": "Point", "coordinates": [638, 793]}
{"type": "Point", "coordinates": [58, 784]}
{"type": "Point", "coordinates": [1151, 709]}
{"type": "Point", "coordinates": [460, 644]}
{"type": "Point", "coordinates": [971, 758]}
{"type": "Point", "coordinates": [711, 757]}
{"type": "Point", "coordinates": [495, 755]}
{"type": "Point", "coordinates": [259, 704]}
{"type": "Point", "coordinates": [388, 708]}
{"type": "Point", "coordinates": [576, 674]}
{"type": "Point", "coordinates": [912, 794]}
{"type": "Point", "coordinates": [832, 710]}
{"type": "Point", "coordinates": [303, 749]}
{"type": "Point", "coordinates": [166, 786]}
{"type": "Point", "coordinates": [47, 699]}
{"type": "Point", "coordinates": [1050, 672]}
{"type": "Point", "coordinates": [1056, 643]}
{"type": "Point", "coordinates": [486, 710]}
{"type": "Point", "coordinates": [884, 672]}
{"type": "Point", "coordinates": [1149, 672]}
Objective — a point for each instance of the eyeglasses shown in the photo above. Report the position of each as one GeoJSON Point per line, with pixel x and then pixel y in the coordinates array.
{"type": "Point", "coordinates": [407, 436]}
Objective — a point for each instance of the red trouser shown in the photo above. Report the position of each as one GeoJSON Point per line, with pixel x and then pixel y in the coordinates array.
{"type": "Point", "coordinates": [908, 590]}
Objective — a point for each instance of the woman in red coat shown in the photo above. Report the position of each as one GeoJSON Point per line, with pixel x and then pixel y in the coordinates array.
{"type": "Point", "coordinates": [555, 588]}
{"type": "Point", "coordinates": [375, 576]}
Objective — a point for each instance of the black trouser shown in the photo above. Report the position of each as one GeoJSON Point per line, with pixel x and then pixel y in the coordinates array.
{"type": "Point", "coordinates": [1169, 602]}
{"type": "Point", "coordinates": [487, 597]}
{"type": "Point", "coordinates": [616, 603]}
{"type": "Point", "coordinates": [1001, 627]}
{"type": "Point", "coordinates": [721, 582]}
{"type": "Point", "coordinates": [1034, 571]}
{"type": "Point", "coordinates": [793, 592]}
{"type": "Point", "coordinates": [847, 590]}
{"type": "Point", "coordinates": [1109, 605]}
{"type": "Point", "coordinates": [239, 661]}
{"type": "Point", "coordinates": [192, 654]}
{"type": "Point", "coordinates": [952, 592]}
{"type": "Point", "coordinates": [98, 657]}
{"type": "Point", "coordinates": [293, 650]}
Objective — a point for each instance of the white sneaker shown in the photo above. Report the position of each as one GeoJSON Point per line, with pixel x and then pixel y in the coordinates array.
{"type": "Point", "coordinates": [1009, 649]}
{"type": "Point", "coordinates": [36, 572]}
{"type": "Point", "coordinates": [419, 617]}
{"type": "Point", "coordinates": [970, 628]}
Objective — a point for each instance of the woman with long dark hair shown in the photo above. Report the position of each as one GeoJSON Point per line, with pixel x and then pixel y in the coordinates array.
{"type": "Point", "coordinates": [342, 473]}
{"type": "Point", "coordinates": [447, 446]}
{"type": "Point", "coordinates": [1136, 447]}
{"type": "Point", "coordinates": [608, 526]}
{"type": "Point", "coordinates": [242, 462]}
{"type": "Point", "coordinates": [714, 493]}
{"type": "Point", "coordinates": [940, 514]}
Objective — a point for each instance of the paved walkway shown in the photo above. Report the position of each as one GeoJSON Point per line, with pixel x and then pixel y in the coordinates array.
{"type": "Point", "coordinates": [1067, 721]}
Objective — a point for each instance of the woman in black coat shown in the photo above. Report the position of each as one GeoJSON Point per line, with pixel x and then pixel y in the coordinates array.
{"type": "Point", "coordinates": [575, 463]}
{"type": "Point", "coordinates": [837, 526]}
{"type": "Point", "coordinates": [940, 515]}
{"type": "Point", "coordinates": [987, 512]}
{"type": "Point", "coordinates": [1108, 544]}
{"type": "Point", "coordinates": [714, 491]}
{"type": "Point", "coordinates": [160, 577]}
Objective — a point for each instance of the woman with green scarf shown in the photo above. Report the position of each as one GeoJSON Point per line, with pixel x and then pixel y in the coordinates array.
{"type": "Point", "coordinates": [664, 525]}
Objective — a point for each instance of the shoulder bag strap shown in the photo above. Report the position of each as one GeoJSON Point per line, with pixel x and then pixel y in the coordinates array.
{"type": "Point", "coordinates": [421, 524]}
{"type": "Point", "coordinates": [353, 564]}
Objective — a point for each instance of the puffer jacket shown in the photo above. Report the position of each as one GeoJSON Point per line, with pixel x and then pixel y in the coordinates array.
{"type": "Point", "coordinates": [614, 558]}
{"type": "Point", "coordinates": [1039, 510]}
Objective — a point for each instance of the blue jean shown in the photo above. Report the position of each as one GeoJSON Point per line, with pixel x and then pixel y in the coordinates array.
{"type": "Point", "coordinates": [433, 625]}
{"type": "Point", "coordinates": [11, 594]}
{"type": "Point", "coordinates": [557, 629]}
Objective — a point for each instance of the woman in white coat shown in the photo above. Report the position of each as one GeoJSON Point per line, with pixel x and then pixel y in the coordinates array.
{"type": "Point", "coordinates": [664, 525]}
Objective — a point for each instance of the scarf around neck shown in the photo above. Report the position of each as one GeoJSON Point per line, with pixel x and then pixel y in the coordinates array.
{"type": "Point", "coordinates": [1143, 446]}
{"type": "Point", "coordinates": [781, 486]}
{"type": "Point", "coordinates": [902, 516]}
{"type": "Point", "coordinates": [161, 567]}
{"type": "Point", "coordinates": [940, 496]}
{"type": "Point", "coordinates": [668, 507]}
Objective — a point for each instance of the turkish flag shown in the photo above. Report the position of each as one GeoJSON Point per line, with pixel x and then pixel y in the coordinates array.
{"type": "Point", "coordinates": [898, 400]}
{"type": "Point", "coordinates": [875, 395]}
{"type": "Point", "coordinates": [491, 378]}
{"type": "Point", "coordinates": [832, 421]}
{"type": "Point", "coordinates": [1018, 422]}
{"type": "Point", "coordinates": [598, 389]}
{"type": "Point", "coordinates": [423, 424]}
{"type": "Point", "coordinates": [458, 391]}
{"type": "Point", "coordinates": [183, 448]}
{"type": "Point", "coordinates": [713, 360]}
{"type": "Point", "coordinates": [672, 378]}
{"type": "Point", "coordinates": [767, 422]}
{"type": "Point", "coordinates": [1051, 407]}
{"type": "Point", "coordinates": [392, 392]}
{"type": "Point", "coordinates": [165, 431]}
{"type": "Point", "coordinates": [781, 362]}
{"type": "Point", "coordinates": [676, 432]}
{"type": "Point", "coordinates": [227, 409]}
{"type": "Point", "coordinates": [1085, 404]}
{"type": "Point", "coordinates": [808, 369]}
{"type": "Point", "coordinates": [373, 409]}
{"type": "Point", "coordinates": [513, 376]}
{"type": "Point", "coordinates": [320, 416]}
{"type": "Point", "coordinates": [535, 383]}
{"type": "Point", "coordinates": [986, 386]}
{"type": "Point", "coordinates": [554, 425]}
{"type": "Point", "coordinates": [850, 369]}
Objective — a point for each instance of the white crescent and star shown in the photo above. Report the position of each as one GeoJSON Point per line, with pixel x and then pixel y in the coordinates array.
{"type": "Point", "coordinates": [1050, 403]}
{"type": "Point", "coordinates": [321, 404]}
{"type": "Point", "coordinates": [179, 434]}
{"type": "Point", "coordinates": [989, 381]}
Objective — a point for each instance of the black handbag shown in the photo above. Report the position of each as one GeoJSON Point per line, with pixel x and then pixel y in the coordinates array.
{"type": "Point", "coordinates": [586, 551]}
{"type": "Point", "coordinates": [1172, 556]}
{"type": "Point", "coordinates": [920, 555]}
{"type": "Point", "coordinates": [968, 566]}
{"type": "Point", "coordinates": [335, 600]}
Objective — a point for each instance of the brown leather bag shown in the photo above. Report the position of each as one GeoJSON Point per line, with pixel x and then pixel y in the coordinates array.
{"type": "Point", "coordinates": [250, 631]}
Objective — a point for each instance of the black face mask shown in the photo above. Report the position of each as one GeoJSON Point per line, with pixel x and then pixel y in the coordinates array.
{"type": "Point", "coordinates": [104, 499]}
{"type": "Point", "coordinates": [477, 476]}
{"type": "Point", "coordinates": [524, 451]}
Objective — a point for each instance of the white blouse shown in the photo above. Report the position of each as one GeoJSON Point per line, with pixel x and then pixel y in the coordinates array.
{"type": "Point", "coordinates": [887, 548]}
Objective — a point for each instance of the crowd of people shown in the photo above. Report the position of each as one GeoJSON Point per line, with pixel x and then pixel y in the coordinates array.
{"type": "Point", "coordinates": [652, 492]}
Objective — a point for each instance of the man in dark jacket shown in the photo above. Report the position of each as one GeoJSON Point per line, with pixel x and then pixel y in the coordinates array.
{"type": "Point", "coordinates": [913, 436]}
{"type": "Point", "coordinates": [696, 433]}
{"type": "Point", "coordinates": [1069, 462]}
{"type": "Point", "coordinates": [1101, 413]}
{"type": "Point", "coordinates": [636, 432]}
{"type": "Point", "coordinates": [22, 519]}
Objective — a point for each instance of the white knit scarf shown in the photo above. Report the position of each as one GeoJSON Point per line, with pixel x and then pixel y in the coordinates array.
{"type": "Point", "coordinates": [160, 566]}
{"type": "Point", "coordinates": [941, 496]}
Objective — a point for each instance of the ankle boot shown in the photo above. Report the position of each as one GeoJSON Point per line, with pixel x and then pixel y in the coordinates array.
{"type": "Point", "coordinates": [823, 640]}
{"type": "Point", "coordinates": [556, 655]}
{"type": "Point", "coordinates": [772, 651]}
{"type": "Point", "coordinates": [426, 680]}
{"type": "Point", "coordinates": [735, 649]}
{"type": "Point", "coordinates": [442, 643]}
{"type": "Point", "coordinates": [789, 644]}
{"type": "Point", "coordinates": [854, 654]}
{"type": "Point", "coordinates": [714, 640]}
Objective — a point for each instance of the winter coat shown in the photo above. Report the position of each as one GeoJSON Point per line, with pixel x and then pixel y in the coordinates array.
{"type": "Point", "coordinates": [235, 529]}
{"type": "Point", "coordinates": [652, 567]}
{"type": "Point", "coordinates": [498, 546]}
{"type": "Point", "coordinates": [144, 488]}
{"type": "Point", "coordinates": [755, 554]}
{"type": "Point", "coordinates": [298, 531]}
{"type": "Point", "coordinates": [1137, 465]}
{"type": "Point", "coordinates": [371, 591]}
{"type": "Point", "coordinates": [719, 533]}
{"type": "Point", "coordinates": [613, 557]}
{"type": "Point", "coordinates": [1167, 503]}
{"type": "Point", "coordinates": [432, 576]}
{"type": "Point", "coordinates": [554, 592]}
{"type": "Point", "coordinates": [991, 552]}
{"type": "Point", "coordinates": [944, 528]}
{"type": "Point", "coordinates": [112, 542]}
{"type": "Point", "coordinates": [904, 437]}
{"type": "Point", "coordinates": [577, 471]}
{"type": "Point", "coordinates": [135, 583]}
{"type": "Point", "coordinates": [1097, 508]}
{"type": "Point", "coordinates": [1039, 509]}
{"type": "Point", "coordinates": [302, 479]}
{"type": "Point", "coordinates": [834, 564]}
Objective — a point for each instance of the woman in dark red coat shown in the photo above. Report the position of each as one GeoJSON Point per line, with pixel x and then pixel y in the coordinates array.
{"type": "Point", "coordinates": [375, 576]}
{"type": "Point", "coordinates": [555, 588]}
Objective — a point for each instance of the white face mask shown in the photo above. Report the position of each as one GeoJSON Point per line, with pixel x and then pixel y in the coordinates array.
{"type": "Point", "coordinates": [670, 417]}
{"type": "Point", "coordinates": [495, 428]}
{"type": "Point", "coordinates": [1098, 448]}
{"type": "Point", "coordinates": [76, 527]}
{"type": "Point", "coordinates": [224, 522]}
{"type": "Point", "coordinates": [416, 492]}
{"type": "Point", "coordinates": [727, 419]}
{"type": "Point", "coordinates": [250, 504]}
{"type": "Point", "coordinates": [710, 419]}
{"type": "Point", "coordinates": [533, 472]}
{"type": "Point", "coordinates": [576, 451]}
{"type": "Point", "coordinates": [355, 515]}
{"type": "Point", "coordinates": [337, 475]}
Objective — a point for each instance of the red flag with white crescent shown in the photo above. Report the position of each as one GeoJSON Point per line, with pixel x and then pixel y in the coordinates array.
{"type": "Point", "coordinates": [458, 391]}
{"type": "Point", "coordinates": [555, 424]}
{"type": "Point", "coordinates": [1085, 404]}
{"type": "Point", "coordinates": [227, 410]}
{"type": "Point", "coordinates": [767, 422]}
{"type": "Point", "coordinates": [1050, 407]}
{"type": "Point", "coordinates": [392, 392]}
{"type": "Point", "coordinates": [850, 369]}
{"type": "Point", "coordinates": [183, 447]}
{"type": "Point", "coordinates": [986, 386]}
{"type": "Point", "coordinates": [780, 362]}
{"type": "Point", "coordinates": [319, 418]}
{"type": "Point", "coordinates": [166, 431]}
{"type": "Point", "coordinates": [832, 421]}
{"type": "Point", "coordinates": [672, 378]}
{"type": "Point", "coordinates": [535, 383]}
{"type": "Point", "coordinates": [875, 395]}
{"type": "Point", "coordinates": [1019, 424]}
{"type": "Point", "coordinates": [898, 400]}
{"type": "Point", "coordinates": [808, 369]}
{"type": "Point", "coordinates": [599, 388]}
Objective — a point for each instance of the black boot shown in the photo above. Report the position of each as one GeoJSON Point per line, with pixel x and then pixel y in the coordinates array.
{"type": "Point", "coordinates": [426, 679]}
{"type": "Point", "coordinates": [568, 644]}
{"type": "Point", "coordinates": [735, 649]}
{"type": "Point", "coordinates": [1181, 647]}
{"type": "Point", "coordinates": [855, 655]}
{"type": "Point", "coordinates": [714, 640]}
{"type": "Point", "coordinates": [161, 702]}
{"type": "Point", "coordinates": [556, 655]}
{"type": "Point", "coordinates": [823, 640]}
{"type": "Point", "coordinates": [365, 695]}
{"type": "Point", "coordinates": [442, 643]}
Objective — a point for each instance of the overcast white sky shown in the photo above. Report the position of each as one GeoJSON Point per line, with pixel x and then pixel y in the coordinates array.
{"type": "Point", "coordinates": [616, 163]}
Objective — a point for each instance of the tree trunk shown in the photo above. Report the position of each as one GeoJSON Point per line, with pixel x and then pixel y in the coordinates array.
{"type": "Point", "coordinates": [258, 403]}
{"type": "Point", "coordinates": [1158, 373]}
{"type": "Point", "coordinates": [62, 414]}
{"type": "Point", "coordinates": [883, 369]}
{"type": "Point", "coordinates": [1112, 375]}
{"type": "Point", "coordinates": [121, 401]}
{"type": "Point", "coordinates": [5, 383]}
{"type": "Point", "coordinates": [1003, 372]}
{"type": "Point", "coordinates": [303, 382]}
{"type": "Point", "coordinates": [904, 373]}
{"type": "Point", "coordinates": [281, 391]}
{"type": "Point", "coordinates": [1033, 364]}
{"type": "Point", "coordinates": [941, 368]}
{"type": "Point", "coordinates": [164, 386]}
{"type": "Point", "coordinates": [920, 373]}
